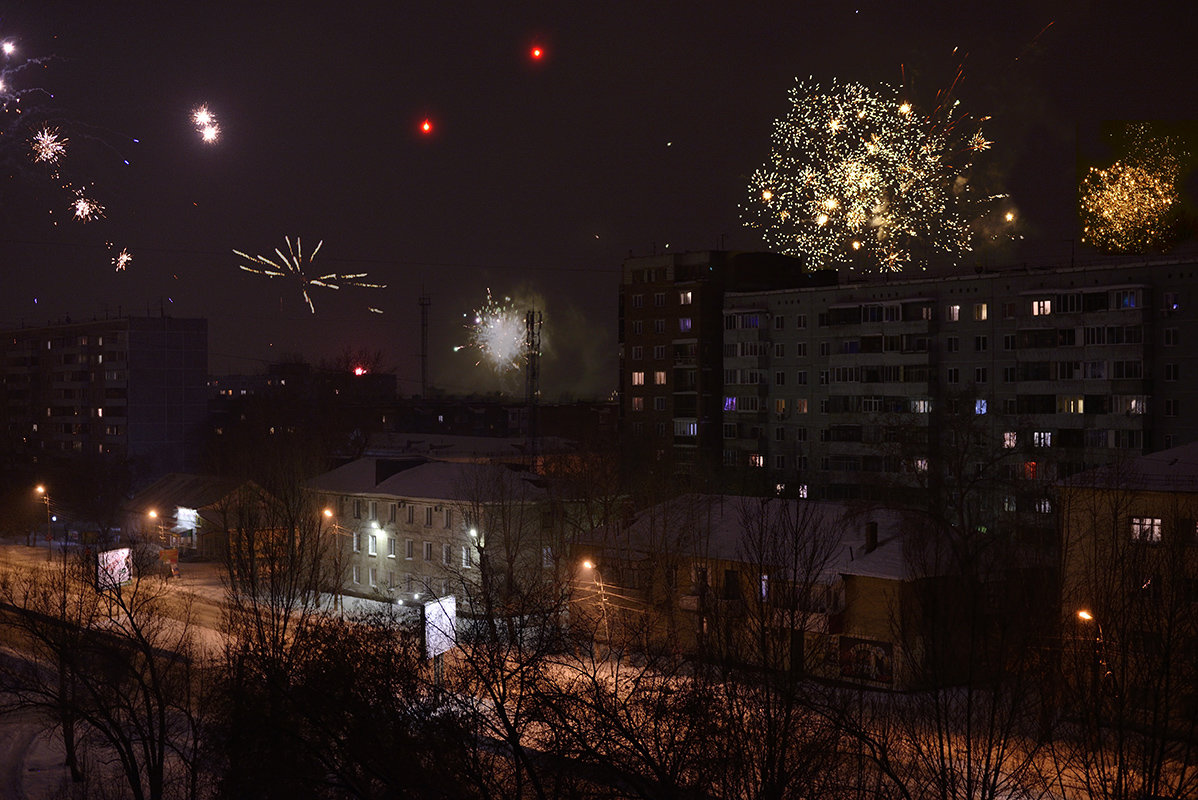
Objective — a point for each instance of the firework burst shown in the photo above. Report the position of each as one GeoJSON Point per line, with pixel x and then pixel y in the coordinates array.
{"type": "Point", "coordinates": [1130, 206]}
{"type": "Point", "coordinates": [47, 146]}
{"type": "Point", "coordinates": [122, 259]}
{"type": "Point", "coordinates": [292, 266]}
{"type": "Point", "coordinates": [497, 332]}
{"type": "Point", "coordinates": [205, 124]}
{"type": "Point", "coordinates": [85, 208]}
{"type": "Point", "coordinates": [856, 175]}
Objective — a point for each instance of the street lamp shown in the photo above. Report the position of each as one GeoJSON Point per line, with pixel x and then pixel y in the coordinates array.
{"type": "Point", "coordinates": [598, 578]}
{"type": "Point", "coordinates": [153, 514]}
{"type": "Point", "coordinates": [45, 498]}
{"type": "Point", "coordinates": [1099, 650]}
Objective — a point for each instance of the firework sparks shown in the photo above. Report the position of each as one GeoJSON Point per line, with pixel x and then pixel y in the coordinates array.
{"type": "Point", "coordinates": [856, 174]}
{"type": "Point", "coordinates": [121, 260]}
{"type": "Point", "coordinates": [205, 124]}
{"type": "Point", "coordinates": [1129, 206]}
{"type": "Point", "coordinates": [86, 209]}
{"type": "Point", "coordinates": [48, 147]}
{"type": "Point", "coordinates": [292, 265]}
{"type": "Point", "coordinates": [497, 332]}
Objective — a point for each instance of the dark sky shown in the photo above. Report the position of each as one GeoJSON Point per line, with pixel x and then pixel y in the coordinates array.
{"type": "Point", "coordinates": [636, 131]}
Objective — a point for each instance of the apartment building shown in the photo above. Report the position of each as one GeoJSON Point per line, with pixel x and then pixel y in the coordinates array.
{"type": "Point", "coordinates": [670, 328]}
{"type": "Point", "coordinates": [843, 390]}
{"type": "Point", "coordinates": [130, 387]}
{"type": "Point", "coordinates": [413, 526]}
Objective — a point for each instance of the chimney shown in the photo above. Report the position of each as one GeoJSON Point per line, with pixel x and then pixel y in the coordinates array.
{"type": "Point", "coordinates": [871, 537]}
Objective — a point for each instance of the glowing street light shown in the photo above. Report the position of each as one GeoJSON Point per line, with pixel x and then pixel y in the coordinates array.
{"type": "Point", "coordinates": [598, 578]}
{"type": "Point", "coordinates": [44, 496]}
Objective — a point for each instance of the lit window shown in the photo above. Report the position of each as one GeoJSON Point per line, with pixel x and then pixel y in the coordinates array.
{"type": "Point", "coordinates": [1146, 529]}
{"type": "Point", "coordinates": [729, 403]}
{"type": "Point", "coordinates": [952, 313]}
{"type": "Point", "coordinates": [638, 379]}
{"type": "Point", "coordinates": [685, 298]}
{"type": "Point", "coordinates": [1043, 506]}
{"type": "Point", "coordinates": [979, 406]}
{"type": "Point", "coordinates": [638, 404]}
{"type": "Point", "coordinates": [659, 377]}
{"type": "Point", "coordinates": [357, 542]}
{"type": "Point", "coordinates": [1042, 439]}
{"type": "Point", "coordinates": [372, 546]}
{"type": "Point", "coordinates": [390, 548]}
{"type": "Point", "coordinates": [1010, 439]}
{"type": "Point", "coordinates": [979, 311]}
{"type": "Point", "coordinates": [756, 460]}
{"type": "Point", "coordinates": [1041, 308]}
{"type": "Point", "coordinates": [684, 324]}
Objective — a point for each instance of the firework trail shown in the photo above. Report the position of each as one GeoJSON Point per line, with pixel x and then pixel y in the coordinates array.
{"type": "Point", "coordinates": [856, 175]}
{"type": "Point", "coordinates": [1130, 206]}
{"type": "Point", "coordinates": [292, 266]}
{"type": "Point", "coordinates": [497, 332]}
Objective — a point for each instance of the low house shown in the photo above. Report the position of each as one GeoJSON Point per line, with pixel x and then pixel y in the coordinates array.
{"type": "Point", "coordinates": [186, 511]}
{"type": "Point", "coordinates": [823, 588]}
{"type": "Point", "coordinates": [415, 526]}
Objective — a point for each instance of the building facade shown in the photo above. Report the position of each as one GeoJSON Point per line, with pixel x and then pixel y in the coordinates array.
{"type": "Point", "coordinates": [839, 389]}
{"type": "Point", "coordinates": [670, 327]}
{"type": "Point", "coordinates": [131, 388]}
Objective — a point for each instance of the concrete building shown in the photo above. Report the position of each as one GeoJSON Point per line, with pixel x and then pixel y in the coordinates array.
{"type": "Point", "coordinates": [418, 526]}
{"type": "Point", "coordinates": [670, 327]}
{"type": "Point", "coordinates": [822, 588]}
{"type": "Point", "coordinates": [1063, 369]}
{"type": "Point", "coordinates": [130, 388]}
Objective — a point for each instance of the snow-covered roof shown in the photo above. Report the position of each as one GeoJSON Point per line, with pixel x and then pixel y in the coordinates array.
{"type": "Point", "coordinates": [416, 478]}
{"type": "Point", "coordinates": [1172, 470]}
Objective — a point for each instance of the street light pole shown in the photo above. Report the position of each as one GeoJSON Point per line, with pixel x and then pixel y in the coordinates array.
{"type": "Point", "coordinates": [594, 568]}
{"type": "Point", "coordinates": [45, 497]}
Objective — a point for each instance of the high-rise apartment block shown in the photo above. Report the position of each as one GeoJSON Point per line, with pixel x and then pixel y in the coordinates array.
{"type": "Point", "coordinates": [132, 387]}
{"type": "Point", "coordinates": [1065, 368]}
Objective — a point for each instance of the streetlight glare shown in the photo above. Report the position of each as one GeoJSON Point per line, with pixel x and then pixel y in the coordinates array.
{"type": "Point", "coordinates": [40, 489]}
{"type": "Point", "coordinates": [1086, 615]}
{"type": "Point", "coordinates": [328, 512]}
{"type": "Point", "coordinates": [588, 564]}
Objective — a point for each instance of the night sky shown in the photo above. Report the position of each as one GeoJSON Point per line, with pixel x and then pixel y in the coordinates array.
{"type": "Point", "coordinates": [634, 133]}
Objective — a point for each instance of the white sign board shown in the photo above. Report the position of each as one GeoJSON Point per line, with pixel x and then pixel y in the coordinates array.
{"type": "Point", "coordinates": [440, 625]}
{"type": "Point", "coordinates": [113, 568]}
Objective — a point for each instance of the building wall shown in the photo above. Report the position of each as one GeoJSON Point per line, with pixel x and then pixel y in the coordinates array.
{"type": "Point", "coordinates": [1081, 366]}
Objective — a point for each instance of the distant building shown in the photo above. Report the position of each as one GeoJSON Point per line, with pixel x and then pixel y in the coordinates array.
{"type": "Point", "coordinates": [193, 512]}
{"type": "Point", "coordinates": [130, 388]}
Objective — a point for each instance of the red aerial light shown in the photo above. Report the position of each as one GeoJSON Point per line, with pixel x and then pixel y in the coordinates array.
{"type": "Point", "coordinates": [536, 53]}
{"type": "Point", "coordinates": [426, 126]}
{"type": "Point", "coordinates": [359, 370]}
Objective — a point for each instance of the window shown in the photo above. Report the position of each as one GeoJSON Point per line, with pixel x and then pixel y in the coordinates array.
{"type": "Point", "coordinates": [980, 375]}
{"type": "Point", "coordinates": [638, 352]}
{"type": "Point", "coordinates": [391, 547]}
{"type": "Point", "coordinates": [1170, 407]}
{"type": "Point", "coordinates": [374, 576]}
{"type": "Point", "coordinates": [638, 327]}
{"type": "Point", "coordinates": [428, 551]}
{"type": "Point", "coordinates": [779, 462]}
{"type": "Point", "coordinates": [780, 407]}
{"type": "Point", "coordinates": [465, 556]}
{"type": "Point", "coordinates": [779, 347]}
{"type": "Point", "coordinates": [756, 460]}
{"type": "Point", "coordinates": [801, 349]}
{"type": "Point", "coordinates": [954, 375]}
{"type": "Point", "coordinates": [1041, 308]}
{"type": "Point", "coordinates": [638, 378]}
{"type": "Point", "coordinates": [357, 542]}
{"type": "Point", "coordinates": [952, 313]}
{"type": "Point", "coordinates": [1043, 506]}
{"type": "Point", "coordinates": [979, 406]}
{"type": "Point", "coordinates": [638, 404]}
{"type": "Point", "coordinates": [393, 512]}
{"type": "Point", "coordinates": [1171, 372]}
{"type": "Point", "coordinates": [659, 326]}
{"type": "Point", "coordinates": [659, 299]}
{"type": "Point", "coordinates": [1042, 439]}
{"type": "Point", "coordinates": [1146, 529]}
{"type": "Point", "coordinates": [659, 351]}
{"type": "Point", "coordinates": [446, 554]}
{"type": "Point", "coordinates": [1127, 298]}
{"type": "Point", "coordinates": [729, 429]}
{"type": "Point", "coordinates": [1010, 439]}
{"type": "Point", "coordinates": [1008, 374]}
{"type": "Point", "coordinates": [801, 321]}
{"type": "Point", "coordinates": [659, 377]}
{"type": "Point", "coordinates": [979, 311]}
{"type": "Point", "coordinates": [357, 509]}
{"type": "Point", "coordinates": [638, 301]}
{"type": "Point", "coordinates": [801, 377]}
{"type": "Point", "coordinates": [1170, 337]}
{"type": "Point", "coordinates": [779, 378]}
{"type": "Point", "coordinates": [779, 323]}
{"type": "Point", "coordinates": [1008, 341]}
{"type": "Point", "coordinates": [779, 434]}
{"type": "Point", "coordinates": [372, 545]}
{"type": "Point", "coordinates": [800, 405]}
{"type": "Point", "coordinates": [659, 404]}
{"type": "Point", "coordinates": [981, 343]}
{"type": "Point", "coordinates": [428, 516]}
{"type": "Point", "coordinates": [374, 509]}
{"type": "Point", "coordinates": [825, 348]}
{"type": "Point", "coordinates": [684, 324]}
{"type": "Point", "coordinates": [729, 403]}
{"type": "Point", "coordinates": [448, 518]}
{"type": "Point", "coordinates": [952, 344]}
{"type": "Point", "coordinates": [408, 547]}
{"type": "Point", "coordinates": [921, 406]}
{"type": "Point", "coordinates": [685, 298]}
{"type": "Point", "coordinates": [356, 572]}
